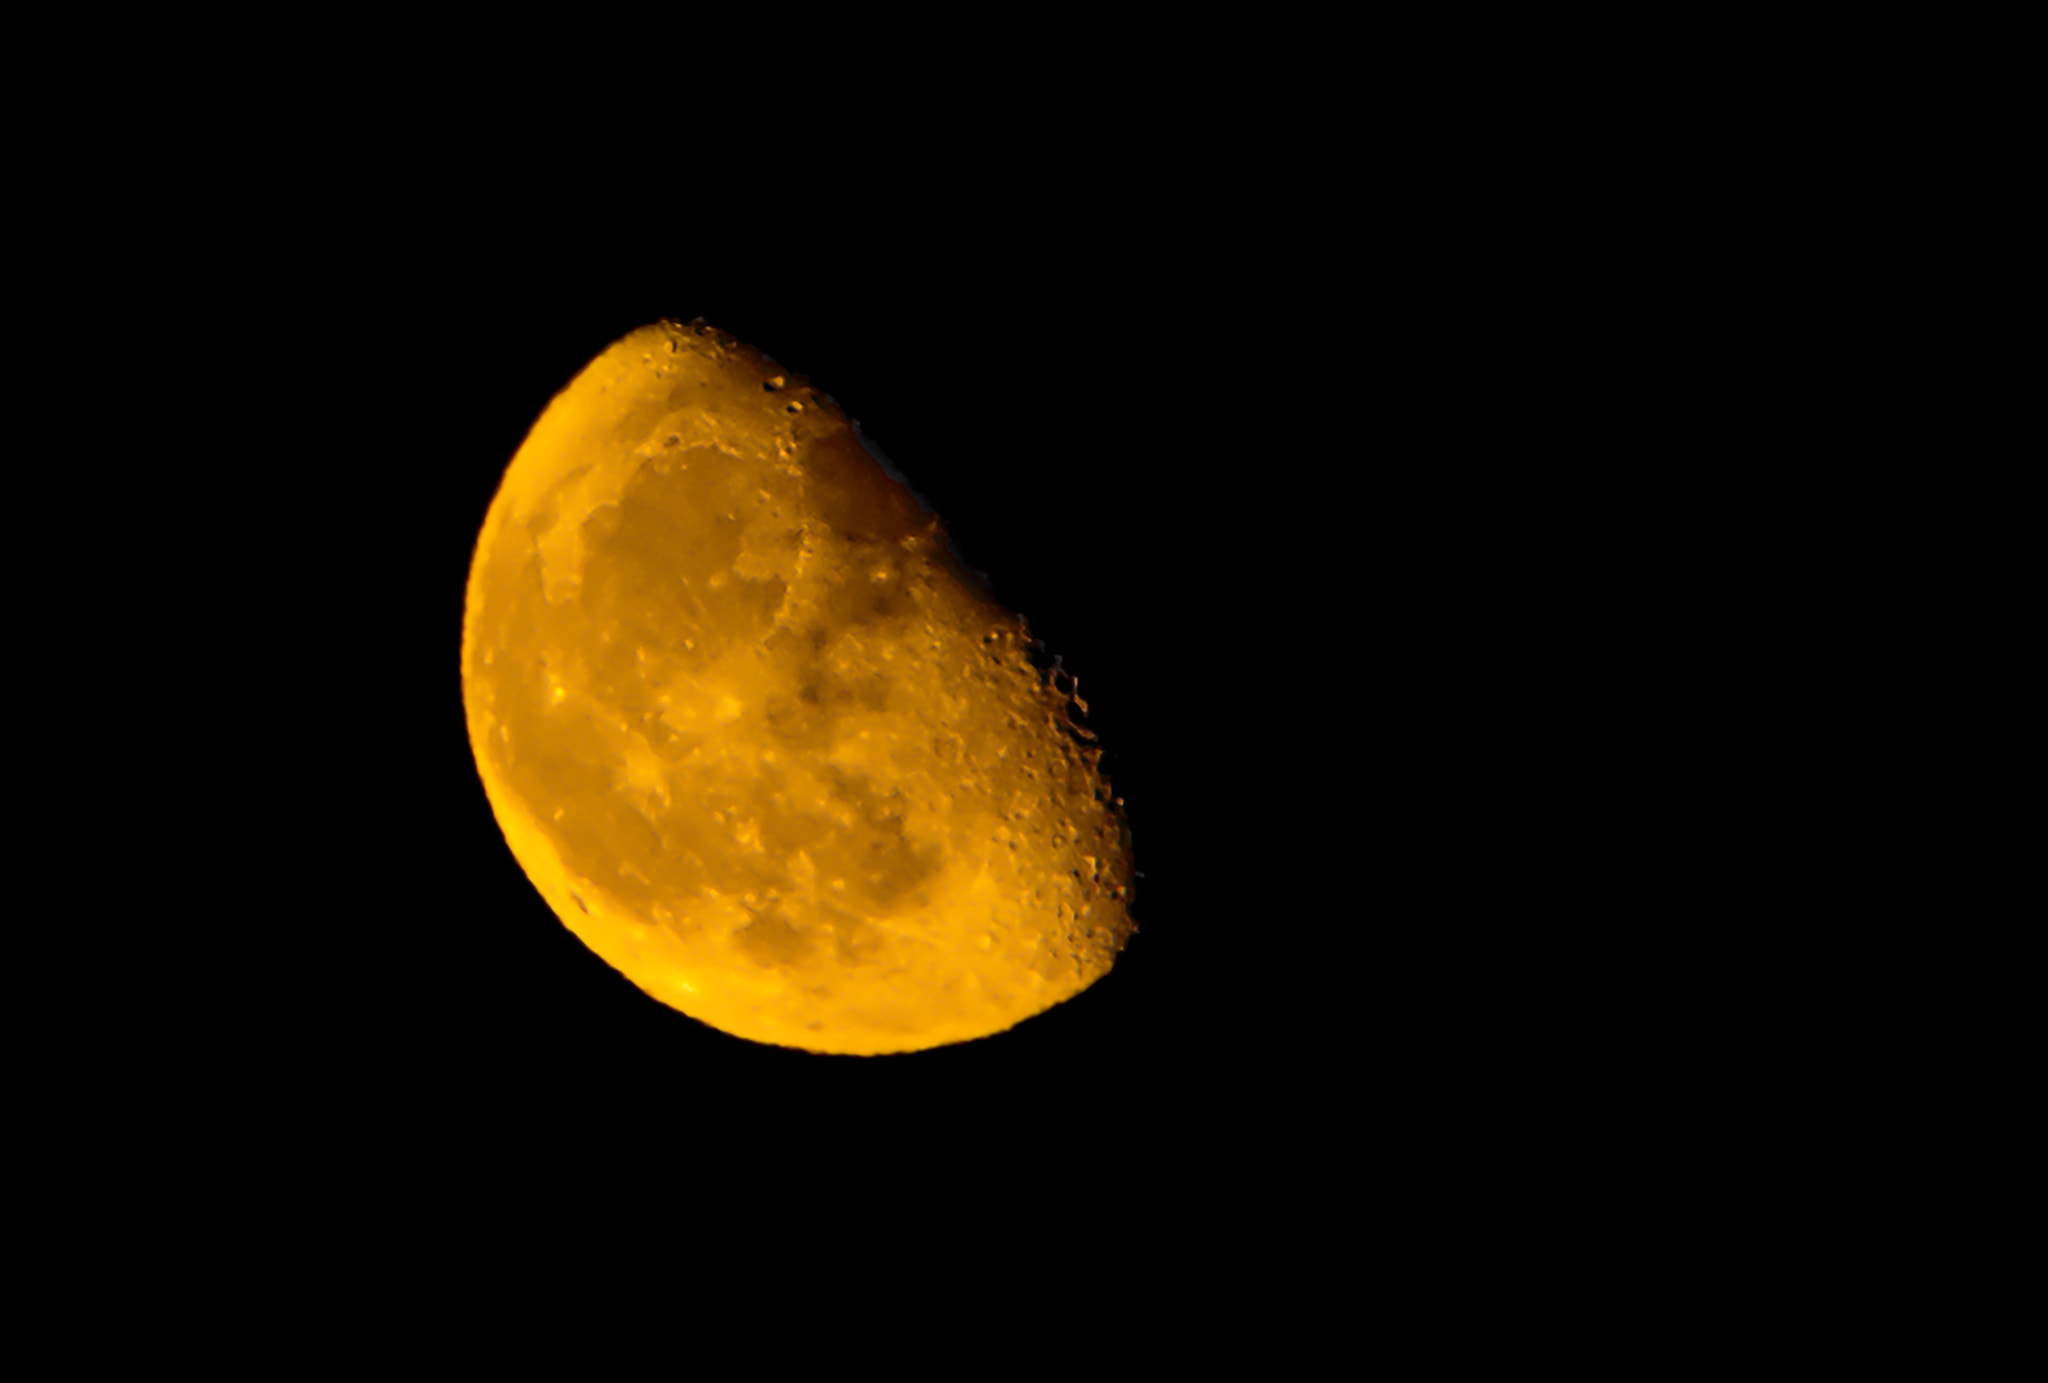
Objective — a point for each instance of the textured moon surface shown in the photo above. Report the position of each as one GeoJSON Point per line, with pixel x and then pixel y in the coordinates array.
{"type": "Point", "coordinates": [755, 735]}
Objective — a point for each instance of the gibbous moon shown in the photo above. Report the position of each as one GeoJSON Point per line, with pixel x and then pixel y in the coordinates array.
{"type": "Point", "coordinates": [757, 738]}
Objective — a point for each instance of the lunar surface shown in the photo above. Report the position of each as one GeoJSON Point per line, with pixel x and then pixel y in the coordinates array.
{"type": "Point", "coordinates": [755, 735]}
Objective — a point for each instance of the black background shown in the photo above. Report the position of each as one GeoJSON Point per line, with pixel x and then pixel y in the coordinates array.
{"type": "Point", "coordinates": [1280, 448]}
{"type": "Point", "coordinates": [1261, 491]}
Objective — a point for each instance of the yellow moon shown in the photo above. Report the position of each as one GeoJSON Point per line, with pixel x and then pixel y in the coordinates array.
{"type": "Point", "coordinates": [757, 738]}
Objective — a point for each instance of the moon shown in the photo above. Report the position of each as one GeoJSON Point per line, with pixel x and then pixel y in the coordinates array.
{"type": "Point", "coordinates": [758, 738]}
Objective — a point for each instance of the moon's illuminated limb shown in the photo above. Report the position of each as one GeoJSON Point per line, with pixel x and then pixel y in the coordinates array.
{"type": "Point", "coordinates": [754, 735]}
